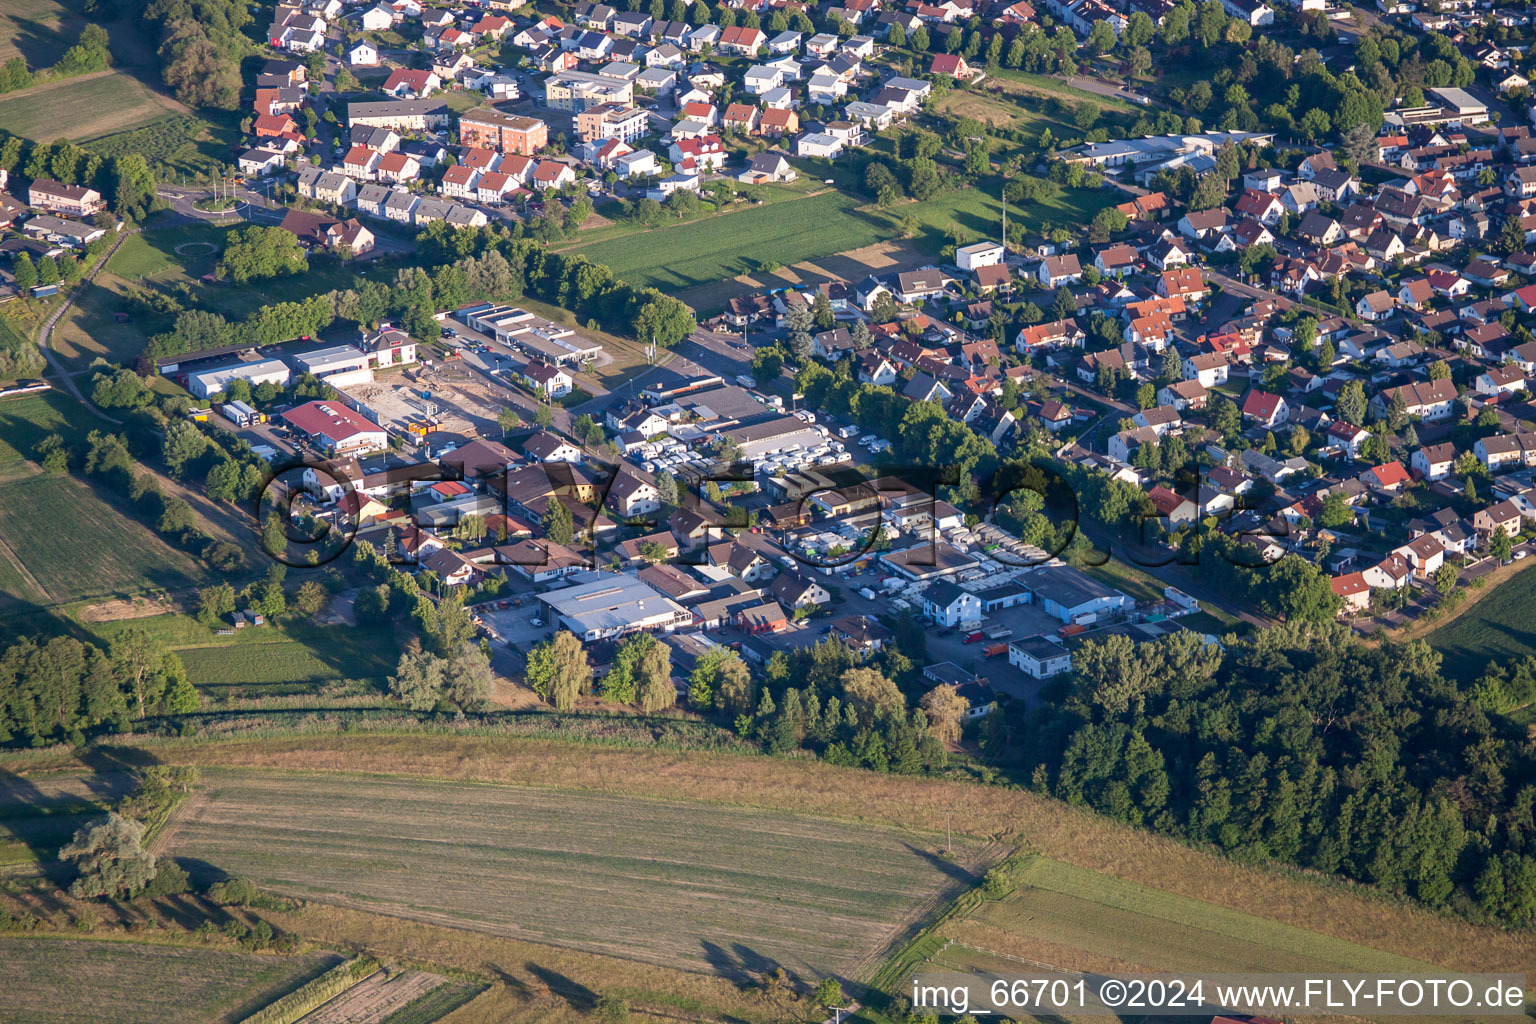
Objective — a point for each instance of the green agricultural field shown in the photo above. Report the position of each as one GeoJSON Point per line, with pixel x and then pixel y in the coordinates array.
{"type": "Point", "coordinates": [66, 544]}
{"type": "Point", "coordinates": [83, 107]}
{"type": "Point", "coordinates": [1081, 920]}
{"type": "Point", "coordinates": [691, 885]}
{"type": "Point", "coordinates": [291, 657]}
{"type": "Point", "coordinates": [1499, 627]}
{"type": "Point", "coordinates": [706, 250]}
{"type": "Point", "coordinates": [79, 981]}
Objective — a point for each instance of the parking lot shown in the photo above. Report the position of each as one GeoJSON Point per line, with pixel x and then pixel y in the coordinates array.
{"type": "Point", "coordinates": [949, 644]}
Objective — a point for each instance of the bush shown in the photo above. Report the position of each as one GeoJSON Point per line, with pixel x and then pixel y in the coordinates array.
{"type": "Point", "coordinates": [236, 892]}
{"type": "Point", "coordinates": [170, 880]}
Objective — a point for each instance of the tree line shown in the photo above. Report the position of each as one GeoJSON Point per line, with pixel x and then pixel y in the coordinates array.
{"type": "Point", "coordinates": [200, 46]}
{"type": "Point", "coordinates": [1300, 745]}
{"type": "Point", "coordinates": [57, 690]}
{"type": "Point", "coordinates": [455, 267]}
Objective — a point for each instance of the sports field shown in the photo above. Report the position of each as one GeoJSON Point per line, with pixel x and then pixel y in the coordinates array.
{"type": "Point", "coordinates": [707, 250]}
{"type": "Point", "coordinates": [1085, 921]}
{"type": "Point", "coordinates": [79, 981]}
{"type": "Point", "coordinates": [1499, 627]}
{"type": "Point", "coordinates": [683, 884]}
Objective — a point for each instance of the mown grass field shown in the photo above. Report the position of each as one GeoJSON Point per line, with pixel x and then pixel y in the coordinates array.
{"type": "Point", "coordinates": [83, 107]}
{"type": "Point", "coordinates": [38, 31]}
{"type": "Point", "coordinates": [1498, 628]}
{"type": "Point", "coordinates": [292, 656]}
{"type": "Point", "coordinates": [64, 981]}
{"type": "Point", "coordinates": [66, 544]}
{"type": "Point", "coordinates": [1085, 921]}
{"type": "Point", "coordinates": [701, 251]}
{"type": "Point", "coordinates": [683, 884]}
{"type": "Point", "coordinates": [39, 815]}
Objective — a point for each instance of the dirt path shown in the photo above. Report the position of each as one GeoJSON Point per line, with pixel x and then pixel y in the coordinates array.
{"type": "Point", "coordinates": [851, 265]}
{"type": "Point", "coordinates": [45, 335]}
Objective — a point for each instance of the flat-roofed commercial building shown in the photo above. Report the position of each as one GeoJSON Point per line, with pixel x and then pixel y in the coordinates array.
{"type": "Point", "coordinates": [205, 383]}
{"type": "Point", "coordinates": [612, 604]}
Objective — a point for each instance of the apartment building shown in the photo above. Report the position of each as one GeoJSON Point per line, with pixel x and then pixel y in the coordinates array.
{"type": "Point", "coordinates": [486, 128]}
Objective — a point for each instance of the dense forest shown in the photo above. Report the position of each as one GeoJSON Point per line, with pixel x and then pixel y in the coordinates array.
{"type": "Point", "coordinates": [200, 46]}
{"type": "Point", "coordinates": [57, 689]}
{"type": "Point", "coordinates": [1300, 745]}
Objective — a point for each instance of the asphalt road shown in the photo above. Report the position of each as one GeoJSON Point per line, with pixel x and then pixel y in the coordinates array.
{"type": "Point", "coordinates": [256, 208]}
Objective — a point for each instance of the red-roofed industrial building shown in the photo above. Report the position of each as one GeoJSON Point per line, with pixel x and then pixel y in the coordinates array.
{"type": "Point", "coordinates": [336, 429]}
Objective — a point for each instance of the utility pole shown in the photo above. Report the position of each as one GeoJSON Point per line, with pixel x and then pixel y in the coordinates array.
{"type": "Point", "coordinates": [1003, 195]}
{"type": "Point", "coordinates": [949, 848]}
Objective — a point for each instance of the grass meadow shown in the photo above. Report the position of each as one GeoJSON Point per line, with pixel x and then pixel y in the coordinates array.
{"type": "Point", "coordinates": [80, 981]}
{"type": "Point", "coordinates": [1086, 921]}
{"type": "Point", "coordinates": [63, 543]}
{"type": "Point", "coordinates": [39, 814]}
{"type": "Point", "coordinates": [1499, 627]}
{"type": "Point", "coordinates": [704, 887]}
{"type": "Point", "coordinates": [267, 660]}
{"type": "Point", "coordinates": [151, 260]}
{"type": "Point", "coordinates": [700, 251]}
{"type": "Point", "coordinates": [37, 31]}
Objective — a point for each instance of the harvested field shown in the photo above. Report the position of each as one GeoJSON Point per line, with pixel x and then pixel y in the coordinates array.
{"type": "Point", "coordinates": [375, 998]}
{"type": "Point", "coordinates": [40, 814]}
{"type": "Point", "coordinates": [732, 890]}
{"type": "Point", "coordinates": [435, 1004]}
{"type": "Point", "coordinates": [1072, 835]}
{"type": "Point", "coordinates": [68, 981]}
